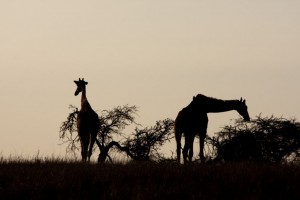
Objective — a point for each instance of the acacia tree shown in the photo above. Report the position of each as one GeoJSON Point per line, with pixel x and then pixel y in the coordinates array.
{"type": "Point", "coordinates": [262, 139]}
{"type": "Point", "coordinates": [145, 143]}
{"type": "Point", "coordinates": [112, 124]}
{"type": "Point", "coordinates": [141, 145]}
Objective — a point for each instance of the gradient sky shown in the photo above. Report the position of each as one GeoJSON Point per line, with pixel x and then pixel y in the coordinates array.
{"type": "Point", "coordinates": [153, 54]}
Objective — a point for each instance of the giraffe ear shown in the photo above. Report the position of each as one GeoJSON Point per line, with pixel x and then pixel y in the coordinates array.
{"type": "Point", "coordinates": [76, 82]}
{"type": "Point", "coordinates": [86, 83]}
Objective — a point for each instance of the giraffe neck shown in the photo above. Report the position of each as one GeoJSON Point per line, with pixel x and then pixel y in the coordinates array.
{"type": "Point", "coordinates": [83, 96]}
{"type": "Point", "coordinates": [223, 106]}
{"type": "Point", "coordinates": [84, 102]}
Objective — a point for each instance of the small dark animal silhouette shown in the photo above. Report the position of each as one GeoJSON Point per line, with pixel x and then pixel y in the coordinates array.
{"type": "Point", "coordinates": [193, 120]}
{"type": "Point", "coordinates": [87, 122]}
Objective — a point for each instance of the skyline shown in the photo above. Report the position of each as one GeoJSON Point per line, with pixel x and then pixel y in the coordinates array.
{"type": "Point", "coordinates": [155, 55]}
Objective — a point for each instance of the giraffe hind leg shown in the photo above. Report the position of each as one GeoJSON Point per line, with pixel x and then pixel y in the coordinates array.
{"type": "Point", "coordinates": [191, 151]}
{"type": "Point", "coordinates": [178, 135]}
{"type": "Point", "coordinates": [178, 152]}
{"type": "Point", "coordinates": [185, 151]}
{"type": "Point", "coordinates": [187, 147]}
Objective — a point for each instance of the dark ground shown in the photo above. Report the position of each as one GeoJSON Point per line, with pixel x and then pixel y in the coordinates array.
{"type": "Point", "coordinates": [67, 180]}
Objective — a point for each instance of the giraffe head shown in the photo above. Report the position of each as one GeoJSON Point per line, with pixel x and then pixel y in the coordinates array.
{"type": "Point", "coordinates": [242, 109]}
{"type": "Point", "coordinates": [80, 86]}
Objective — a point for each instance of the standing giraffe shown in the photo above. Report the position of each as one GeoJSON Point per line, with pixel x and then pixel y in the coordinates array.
{"type": "Point", "coordinates": [87, 122]}
{"type": "Point", "coordinates": [193, 120]}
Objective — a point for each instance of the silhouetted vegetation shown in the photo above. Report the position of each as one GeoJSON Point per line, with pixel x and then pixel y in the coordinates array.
{"type": "Point", "coordinates": [68, 131]}
{"type": "Point", "coordinates": [268, 139]}
{"type": "Point", "coordinates": [145, 143]}
{"type": "Point", "coordinates": [263, 139]}
{"type": "Point", "coordinates": [112, 124]}
{"type": "Point", "coordinates": [142, 144]}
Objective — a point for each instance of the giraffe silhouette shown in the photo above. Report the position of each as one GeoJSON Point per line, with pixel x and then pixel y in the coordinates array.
{"type": "Point", "coordinates": [87, 122]}
{"type": "Point", "coordinates": [193, 120]}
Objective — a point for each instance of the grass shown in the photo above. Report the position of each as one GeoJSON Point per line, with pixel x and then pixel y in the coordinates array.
{"type": "Point", "coordinates": [58, 179]}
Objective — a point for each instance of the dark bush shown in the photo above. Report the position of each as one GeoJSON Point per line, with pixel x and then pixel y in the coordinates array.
{"type": "Point", "coordinates": [262, 139]}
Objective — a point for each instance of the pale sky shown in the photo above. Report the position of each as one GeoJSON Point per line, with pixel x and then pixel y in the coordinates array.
{"type": "Point", "coordinates": [154, 54]}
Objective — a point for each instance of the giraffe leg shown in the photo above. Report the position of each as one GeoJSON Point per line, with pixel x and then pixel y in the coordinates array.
{"type": "Point", "coordinates": [201, 142]}
{"type": "Point", "coordinates": [93, 139]}
{"type": "Point", "coordinates": [187, 147]}
{"type": "Point", "coordinates": [178, 151]}
{"type": "Point", "coordinates": [185, 150]}
{"type": "Point", "coordinates": [201, 154]}
{"type": "Point", "coordinates": [202, 135]}
{"type": "Point", "coordinates": [191, 151]}
{"type": "Point", "coordinates": [82, 150]}
{"type": "Point", "coordinates": [178, 135]}
{"type": "Point", "coordinates": [84, 147]}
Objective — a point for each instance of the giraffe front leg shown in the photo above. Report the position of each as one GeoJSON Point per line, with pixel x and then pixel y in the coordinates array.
{"type": "Point", "coordinates": [201, 149]}
{"type": "Point", "coordinates": [93, 139]}
{"type": "Point", "coordinates": [202, 135]}
{"type": "Point", "coordinates": [201, 142]}
{"type": "Point", "coordinates": [84, 140]}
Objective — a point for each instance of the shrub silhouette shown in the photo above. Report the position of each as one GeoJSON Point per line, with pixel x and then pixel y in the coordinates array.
{"type": "Point", "coordinates": [112, 124]}
{"type": "Point", "coordinates": [263, 139]}
{"type": "Point", "coordinates": [143, 144]}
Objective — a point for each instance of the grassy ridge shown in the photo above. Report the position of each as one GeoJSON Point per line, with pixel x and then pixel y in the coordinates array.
{"type": "Point", "coordinates": [67, 180]}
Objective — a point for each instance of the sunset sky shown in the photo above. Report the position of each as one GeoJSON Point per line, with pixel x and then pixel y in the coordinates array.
{"type": "Point", "coordinates": [154, 54]}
